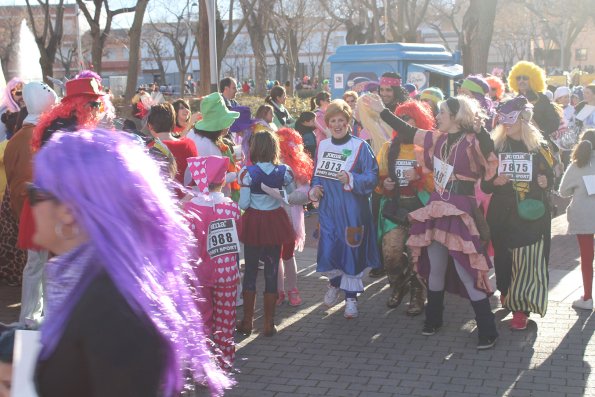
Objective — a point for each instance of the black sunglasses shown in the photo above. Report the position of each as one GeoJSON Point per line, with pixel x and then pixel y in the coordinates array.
{"type": "Point", "coordinates": [519, 78]}
{"type": "Point", "coordinates": [18, 93]}
{"type": "Point", "coordinates": [95, 104]}
{"type": "Point", "coordinates": [36, 195]}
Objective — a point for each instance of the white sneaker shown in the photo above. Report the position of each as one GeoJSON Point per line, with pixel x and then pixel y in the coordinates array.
{"type": "Point", "coordinates": [582, 304]}
{"type": "Point", "coordinates": [331, 296]}
{"type": "Point", "coordinates": [350, 308]}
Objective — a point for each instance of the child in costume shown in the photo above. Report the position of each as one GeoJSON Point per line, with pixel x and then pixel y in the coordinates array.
{"type": "Point", "coordinates": [345, 176]}
{"type": "Point", "coordinates": [213, 219]}
{"type": "Point", "coordinates": [294, 155]}
{"type": "Point", "coordinates": [266, 226]}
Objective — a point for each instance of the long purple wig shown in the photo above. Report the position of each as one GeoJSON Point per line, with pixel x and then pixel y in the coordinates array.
{"type": "Point", "coordinates": [140, 237]}
{"type": "Point", "coordinates": [7, 99]}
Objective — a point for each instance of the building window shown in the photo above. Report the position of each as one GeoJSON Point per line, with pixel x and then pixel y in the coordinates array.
{"type": "Point", "coordinates": [581, 54]}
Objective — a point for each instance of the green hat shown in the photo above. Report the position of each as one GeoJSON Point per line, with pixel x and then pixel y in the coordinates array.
{"type": "Point", "coordinates": [433, 94]}
{"type": "Point", "coordinates": [215, 115]}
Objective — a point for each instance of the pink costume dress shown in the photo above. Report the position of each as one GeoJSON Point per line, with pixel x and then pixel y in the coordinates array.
{"type": "Point", "coordinates": [217, 273]}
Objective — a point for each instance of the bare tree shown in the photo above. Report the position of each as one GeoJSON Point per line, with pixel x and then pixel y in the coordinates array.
{"type": "Point", "coordinates": [295, 21]}
{"type": "Point", "coordinates": [562, 24]}
{"type": "Point", "coordinates": [66, 56]}
{"type": "Point", "coordinates": [134, 49]}
{"type": "Point", "coordinates": [46, 23]}
{"type": "Point", "coordinates": [11, 18]}
{"type": "Point", "coordinates": [156, 47]}
{"type": "Point", "coordinates": [228, 31]}
{"type": "Point", "coordinates": [257, 24]}
{"type": "Point", "coordinates": [99, 35]}
{"type": "Point", "coordinates": [355, 15]}
{"type": "Point", "coordinates": [181, 37]}
{"type": "Point", "coordinates": [410, 15]}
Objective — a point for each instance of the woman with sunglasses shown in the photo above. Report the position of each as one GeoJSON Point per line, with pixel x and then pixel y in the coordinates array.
{"type": "Point", "coordinates": [82, 106]}
{"type": "Point", "coordinates": [460, 153]}
{"type": "Point", "coordinates": [120, 319]}
{"type": "Point", "coordinates": [402, 181]}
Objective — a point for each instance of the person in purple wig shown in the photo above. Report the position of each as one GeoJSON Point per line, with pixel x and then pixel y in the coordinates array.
{"type": "Point", "coordinates": [120, 319]}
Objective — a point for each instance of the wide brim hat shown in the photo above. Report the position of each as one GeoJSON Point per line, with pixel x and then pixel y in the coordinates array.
{"type": "Point", "coordinates": [244, 121]}
{"type": "Point", "coordinates": [88, 86]}
{"type": "Point", "coordinates": [215, 115]}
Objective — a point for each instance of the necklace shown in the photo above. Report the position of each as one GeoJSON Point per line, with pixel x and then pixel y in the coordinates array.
{"type": "Point", "coordinates": [446, 150]}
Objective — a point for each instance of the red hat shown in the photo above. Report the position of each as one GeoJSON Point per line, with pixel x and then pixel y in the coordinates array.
{"type": "Point", "coordinates": [207, 170]}
{"type": "Point", "coordinates": [85, 86]}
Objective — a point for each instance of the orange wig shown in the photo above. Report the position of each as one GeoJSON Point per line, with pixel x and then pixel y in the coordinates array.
{"type": "Point", "coordinates": [291, 145]}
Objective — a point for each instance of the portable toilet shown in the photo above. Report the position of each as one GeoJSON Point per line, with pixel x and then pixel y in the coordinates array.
{"type": "Point", "coordinates": [355, 67]}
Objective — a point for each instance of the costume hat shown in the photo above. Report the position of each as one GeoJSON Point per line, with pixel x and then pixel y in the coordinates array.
{"type": "Point", "coordinates": [509, 111]}
{"type": "Point", "coordinates": [244, 121]}
{"type": "Point", "coordinates": [433, 94]}
{"type": "Point", "coordinates": [207, 170]}
{"type": "Point", "coordinates": [215, 115]}
{"type": "Point", "coordinates": [85, 86]}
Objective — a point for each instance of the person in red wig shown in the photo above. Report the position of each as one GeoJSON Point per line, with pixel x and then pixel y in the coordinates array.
{"type": "Point", "coordinates": [402, 184]}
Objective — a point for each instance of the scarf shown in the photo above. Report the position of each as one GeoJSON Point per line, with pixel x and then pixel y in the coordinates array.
{"type": "Point", "coordinates": [67, 277]}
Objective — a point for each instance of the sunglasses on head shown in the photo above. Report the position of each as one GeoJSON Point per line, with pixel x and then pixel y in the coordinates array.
{"type": "Point", "coordinates": [95, 105]}
{"type": "Point", "coordinates": [406, 118]}
{"type": "Point", "coordinates": [523, 78]}
{"type": "Point", "coordinates": [37, 195]}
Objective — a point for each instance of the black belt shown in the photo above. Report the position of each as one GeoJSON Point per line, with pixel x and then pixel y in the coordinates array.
{"type": "Point", "coordinates": [464, 188]}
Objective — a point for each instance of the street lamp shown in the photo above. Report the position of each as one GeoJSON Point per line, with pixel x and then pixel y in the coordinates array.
{"type": "Point", "coordinates": [212, 14]}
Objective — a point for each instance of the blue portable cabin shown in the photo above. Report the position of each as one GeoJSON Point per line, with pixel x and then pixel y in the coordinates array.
{"type": "Point", "coordinates": [356, 67]}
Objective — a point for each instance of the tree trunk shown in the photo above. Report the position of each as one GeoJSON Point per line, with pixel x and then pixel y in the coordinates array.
{"type": "Point", "coordinates": [202, 40]}
{"type": "Point", "coordinates": [134, 46]}
{"type": "Point", "coordinates": [96, 52]}
{"type": "Point", "coordinates": [478, 25]}
{"type": "Point", "coordinates": [47, 68]}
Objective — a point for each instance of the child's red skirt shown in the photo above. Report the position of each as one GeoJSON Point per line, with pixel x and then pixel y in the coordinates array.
{"type": "Point", "coordinates": [265, 228]}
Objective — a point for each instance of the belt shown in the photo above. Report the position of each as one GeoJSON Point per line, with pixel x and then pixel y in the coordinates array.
{"type": "Point", "coordinates": [464, 188]}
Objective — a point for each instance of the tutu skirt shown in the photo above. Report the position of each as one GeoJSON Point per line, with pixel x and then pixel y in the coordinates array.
{"type": "Point", "coordinates": [266, 228]}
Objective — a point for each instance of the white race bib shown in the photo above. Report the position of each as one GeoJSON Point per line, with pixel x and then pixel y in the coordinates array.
{"type": "Point", "coordinates": [518, 167]}
{"type": "Point", "coordinates": [401, 166]}
{"type": "Point", "coordinates": [330, 165]}
{"type": "Point", "coordinates": [589, 184]}
{"type": "Point", "coordinates": [222, 238]}
{"type": "Point", "coordinates": [442, 173]}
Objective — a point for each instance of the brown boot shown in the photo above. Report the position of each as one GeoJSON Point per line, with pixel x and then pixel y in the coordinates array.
{"type": "Point", "coordinates": [270, 302]}
{"type": "Point", "coordinates": [245, 326]}
{"type": "Point", "coordinates": [418, 297]}
{"type": "Point", "coordinates": [399, 283]}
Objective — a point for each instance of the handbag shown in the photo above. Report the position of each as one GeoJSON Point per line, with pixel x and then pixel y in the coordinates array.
{"type": "Point", "coordinates": [528, 209]}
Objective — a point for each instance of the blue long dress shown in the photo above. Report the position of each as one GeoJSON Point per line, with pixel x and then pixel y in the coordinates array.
{"type": "Point", "coordinates": [347, 244]}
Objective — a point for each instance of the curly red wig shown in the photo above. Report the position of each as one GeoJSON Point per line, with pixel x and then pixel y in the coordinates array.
{"type": "Point", "coordinates": [69, 107]}
{"type": "Point", "coordinates": [496, 83]}
{"type": "Point", "coordinates": [418, 111]}
{"type": "Point", "coordinates": [293, 154]}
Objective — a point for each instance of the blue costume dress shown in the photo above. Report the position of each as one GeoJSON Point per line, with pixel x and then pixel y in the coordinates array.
{"type": "Point", "coordinates": [347, 243]}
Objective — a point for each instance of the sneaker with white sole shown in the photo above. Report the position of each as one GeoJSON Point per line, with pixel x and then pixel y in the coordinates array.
{"type": "Point", "coordinates": [350, 308]}
{"type": "Point", "coordinates": [583, 304]}
{"type": "Point", "coordinates": [331, 296]}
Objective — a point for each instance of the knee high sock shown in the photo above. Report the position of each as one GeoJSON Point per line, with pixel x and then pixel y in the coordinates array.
{"type": "Point", "coordinates": [585, 243]}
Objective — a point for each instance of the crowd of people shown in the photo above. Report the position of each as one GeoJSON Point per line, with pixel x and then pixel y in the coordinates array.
{"type": "Point", "coordinates": [127, 240]}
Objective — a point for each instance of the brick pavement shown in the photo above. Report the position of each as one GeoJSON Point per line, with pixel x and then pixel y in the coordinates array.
{"type": "Point", "coordinates": [381, 353]}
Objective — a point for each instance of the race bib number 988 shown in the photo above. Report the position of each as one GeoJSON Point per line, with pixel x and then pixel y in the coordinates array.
{"type": "Point", "coordinates": [222, 238]}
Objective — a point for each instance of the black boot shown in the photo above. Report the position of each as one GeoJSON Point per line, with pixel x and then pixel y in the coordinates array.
{"type": "Point", "coordinates": [486, 324]}
{"type": "Point", "coordinates": [434, 309]}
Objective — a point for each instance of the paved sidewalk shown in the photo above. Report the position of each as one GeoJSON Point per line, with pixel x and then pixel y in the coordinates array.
{"type": "Point", "coordinates": [381, 353]}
